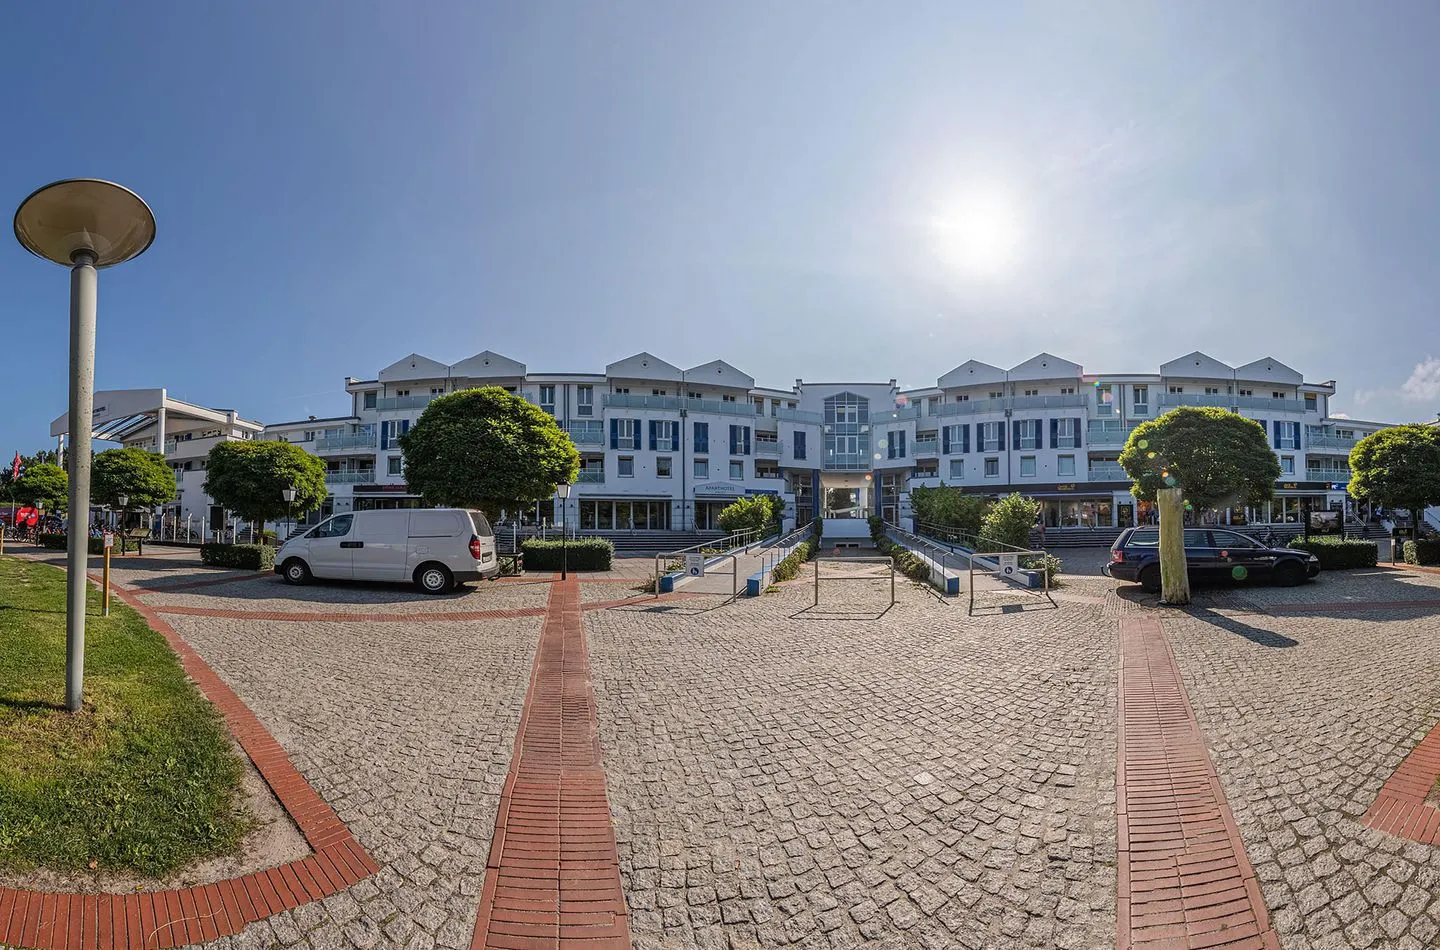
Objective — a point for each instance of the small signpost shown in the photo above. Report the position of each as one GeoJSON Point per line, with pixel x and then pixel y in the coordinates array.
{"type": "Point", "coordinates": [695, 565]}
{"type": "Point", "coordinates": [105, 576]}
{"type": "Point", "coordinates": [1007, 565]}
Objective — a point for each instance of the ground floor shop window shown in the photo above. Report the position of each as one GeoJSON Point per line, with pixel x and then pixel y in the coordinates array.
{"type": "Point", "coordinates": [707, 515]}
{"type": "Point", "coordinates": [1078, 512]}
{"type": "Point", "coordinates": [604, 515]}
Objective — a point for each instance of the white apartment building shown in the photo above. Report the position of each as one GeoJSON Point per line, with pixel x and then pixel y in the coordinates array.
{"type": "Point", "coordinates": [152, 420]}
{"type": "Point", "coordinates": [666, 448]}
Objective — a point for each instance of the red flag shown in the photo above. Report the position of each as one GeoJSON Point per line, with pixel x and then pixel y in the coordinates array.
{"type": "Point", "coordinates": [15, 466]}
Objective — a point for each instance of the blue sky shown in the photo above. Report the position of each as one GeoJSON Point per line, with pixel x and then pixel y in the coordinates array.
{"type": "Point", "coordinates": [851, 190]}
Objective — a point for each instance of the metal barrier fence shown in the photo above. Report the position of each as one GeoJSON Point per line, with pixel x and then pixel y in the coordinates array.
{"type": "Point", "coordinates": [887, 561]}
{"type": "Point", "coordinates": [1008, 564]}
{"type": "Point", "coordinates": [727, 546]}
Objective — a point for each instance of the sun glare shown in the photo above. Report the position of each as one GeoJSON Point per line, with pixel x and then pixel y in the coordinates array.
{"type": "Point", "coordinates": [979, 234]}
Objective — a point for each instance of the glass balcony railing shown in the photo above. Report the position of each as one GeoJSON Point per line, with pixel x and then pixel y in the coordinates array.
{"type": "Point", "coordinates": [924, 447]}
{"type": "Point", "coordinates": [391, 403]}
{"type": "Point", "coordinates": [1330, 442]}
{"type": "Point", "coordinates": [799, 415]}
{"type": "Point", "coordinates": [971, 406]}
{"type": "Point", "coordinates": [1272, 404]}
{"type": "Point", "coordinates": [1107, 434]}
{"type": "Point", "coordinates": [361, 440]}
{"type": "Point", "coordinates": [1171, 400]}
{"type": "Point", "coordinates": [590, 478]}
{"type": "Point", "coordinates": [586, 434]}
{"type": "Point", "coordinates": [1338, 475]}
{"type": "Point", "coordinates": [350, 478]}
{"type": "Point", "coordinates": [767, 448]}
{"type": "Point", "coordinates": [1068, 401]}
{"type": "Point", "coordinates": [639, 401]}
{"type": "Point", "coordinates": [898, 414]}
{"type": "Point", "coordinates": [1107, 472]}
{"type": "Point", "coordinates": [848, 463]}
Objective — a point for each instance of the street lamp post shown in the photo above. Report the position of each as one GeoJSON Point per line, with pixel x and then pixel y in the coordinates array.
{"type": "Point", "coordinates": [563, 490]}
{"type": "Point", "coordinates": [124, 501]}
{"type": "Point", "coordinates": [84, 224]}
{"type": "Point", "coordinates": [289, 495]}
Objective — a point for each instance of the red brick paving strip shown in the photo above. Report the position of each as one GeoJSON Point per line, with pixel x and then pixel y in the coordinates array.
{"type": "Point", "coordinates": [1184, 878]}
{"type": "Point", "coordinates": [1400, 809]}
{"type": "Point", "coordinates": [156, 919]}
{"type": "Point", "coordinates": [553, 876]}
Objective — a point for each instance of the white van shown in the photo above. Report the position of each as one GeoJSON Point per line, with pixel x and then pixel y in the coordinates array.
{"type": "Point", "coordinates": [436, 548]}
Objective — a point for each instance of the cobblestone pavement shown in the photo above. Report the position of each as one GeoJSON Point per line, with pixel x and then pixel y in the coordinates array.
{"type": "Point", "coordinates": [407, 730]}
{"type": "Point", "coordinates": [1306, 716]}
{"type": "Point", "coordinates": [784, 777]}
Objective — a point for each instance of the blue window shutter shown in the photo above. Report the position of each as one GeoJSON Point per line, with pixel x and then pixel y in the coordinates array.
{"type": "Point", "coordinates": [732, 440]}
{"type": "Point", "coordinates": [614, 433]}
{"type": "Point", "coordinates": [965, 438]}
{"type": "Point", "coordinates": [747, 440]}
{"type": "Point", "coordinates": [385, 435]}
{"type": "Point", "coordinates": [1054, 433]}
{"type": "Point", "coordinates": [1001, 427]}
{"type": "Point", "coordinates": [1039, 435]}
{"type": "Point", "coordinates": [1016, 433]}
{"type": "Point", "coordinates": [404, 426]}
{"type": "Point", "coordinates": [654, 433]}
{"type": "Point", "coordinates": [799, 445]}
{"type": "Point", "coordinates": [1277, 433]}
{"type": "Point", "coordinates": [945, 440]}
{"type": "Point", "coordinates": [702, 437]}
{"type": "Point", "coordinates": [1077, 434]}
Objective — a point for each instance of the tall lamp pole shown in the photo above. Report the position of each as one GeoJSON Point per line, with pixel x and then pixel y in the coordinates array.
{"type": "Point", "coordinates": [563, 491]}
{"type": "Point", "coordinates": [84, 224]}
{"type": "Point", "coordinates": [289, 495]}
{"type": "Point", "coordinates": [124, 501]}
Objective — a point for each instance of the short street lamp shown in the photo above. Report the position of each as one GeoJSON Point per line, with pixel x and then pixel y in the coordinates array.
{"type": "Point", "coordinates": [563, 491]}
{"type": "Point", "coordinates": [289, 495]}
{"type": "Point", "coordinates": [124, 501]}
{"type": "Point", "coordinates": [83, 224]}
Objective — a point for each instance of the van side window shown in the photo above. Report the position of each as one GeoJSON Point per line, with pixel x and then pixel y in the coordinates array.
{"type": "Point", "coordinates": [336, 527]}
{"type": "Point", "coordinates": [432, 524]}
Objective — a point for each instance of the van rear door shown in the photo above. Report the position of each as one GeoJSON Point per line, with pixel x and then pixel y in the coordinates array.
{"type": "Point", "coordinates": [381, 537]}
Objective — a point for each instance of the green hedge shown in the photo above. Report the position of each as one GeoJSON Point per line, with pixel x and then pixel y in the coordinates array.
{"type": "Point", "coordinates": [1424, 551]}
{"type": "Point", "coordinates": [581, 554]}
{"type": "Point", "coordinates": [907, 562]}
{"type": "Point", "coordinates": [245, 557]}
{"type": "Point", "coordinates": [57, 542]}
{"type": "Point", "coordinates": [789, 566]}
{"type": "Point", "coordinates": [1338, 554]}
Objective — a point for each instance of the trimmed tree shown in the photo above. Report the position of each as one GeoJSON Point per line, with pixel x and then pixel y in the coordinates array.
{"type": "Point", "coordinates": [488, 449]}
{"type": "Point", "coordinates": [752, 513]}
{"type": "Point", "coordinates": [43, 482]}
{"type": "Point", "coordinates": [1009, 521]}
{"type": "Point", "coordinates": [1398, 467]}
{"type": "Point", "coordinates": [249, 478]}
{"type": "Point", "coordinates": [947, 506]}
{"type": "Point", "coordinates": [143, 477]}
{"type": "Point", "coordinates": [1197, 458]}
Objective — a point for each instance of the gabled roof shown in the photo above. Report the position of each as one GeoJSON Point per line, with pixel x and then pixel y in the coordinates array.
{"type": "Point", "coordinates": [971, 372]}
{"type": "Point", "coordinates": [1270, 370]}
{"type": "Point", "coordinates": [643, 366]}
{"type": "Point", "coordinates": [487, 365]}
{"type": "Point", "coordinates": [413, 366]}
{"type": "Point", "coordinates": [719, 373]}
{"type": "Point", "coordinates": [1045, 366]}
{"type": "Point", "coordinates": [1196, 364]}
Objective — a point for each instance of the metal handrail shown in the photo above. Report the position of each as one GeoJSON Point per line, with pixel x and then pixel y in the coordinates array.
{"type": "Point", "coordinates": [730, 542]}
{"type": "Point", "coordinates": [788, 541]}
{"type": "Point", "coordinates": [1044, 574]}
{"type": "Point", "coordinates": [926, 546]}
{"type": "Point", "coordinates": [968, 540]}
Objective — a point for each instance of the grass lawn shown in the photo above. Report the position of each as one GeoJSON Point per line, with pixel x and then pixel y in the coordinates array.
{"type": "Point", "coordinates": [142, 780]}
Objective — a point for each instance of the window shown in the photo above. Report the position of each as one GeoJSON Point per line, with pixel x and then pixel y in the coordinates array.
{"type": "Point", "coordinates": [702, 436]}
{"type": "Point", "coordinates": [925, 470]}
{"type": "Point", "coordinates": [759, 406]}
{"type": "Point", "coordinates": [369, 399]}
{"type": "Point", "coordinates": [727, 398]}
{"type": "Point", "coordinates": [1287, 465]}
{"type": "Point", "coordinates": [620, 390]}
{"type": "Point", "coordinates": [437, 390]}
{"type": "Point", "coordinates": [659, 392]}
{"type": "Point", "coordinates": [692, 394]}
{"type": "Point", "coordinates": [336, 527]}
{"type": "Point", "coordinates": [895, 445]}
{"type": "Point", "coordinates": [1067, 390]}
{"type": "Point", "coordinates": [992, 436]}
{"type": "Point", "coordinates": [309, 436]}
{"type": "Point", "coordinates": [1345, 433]}
{"type": "Point", "coordinates": [402, 392]}
{"type": "Point", "coordinates": [1032, 392]}
{"type": "Point", "coordinates": [1176, 390]}
{"type": "Point", "coordinates": [702, 468]}
{"type": "Point", "coordinates": [997, 395]}
{"type": "Point", "coordinates": [955, 439]}
{"type": "Point", "coordinates": [1212, 390]}
{"type": "Point", "coordinates": [547, 399]}
{"type": "Point", "coordinates": [992, 468]}
{"type": "Point", "coordinates": [664, 436]}
{"type": "Point", "coordinates": [1027, 434]}
{"type": "Point", "coordinates": [1311, 402]}
{"type": "Point", "coordinates": [957, 469]}
{"type": "Point", "coordinates": [626, 466]}
{"type": "Point", "coordinates": [1064, 434]}
{"type": "Point", "coordinates": [1276, 395]}
{"type": "Point", "coordinates": [739, 440]}
{"type": "Point", "coordinates": [662, 466]}
{"type": "Point", "coordinates": [963, 397]}
{"type": "Point", "coordinates": [584, 400]}
{"type": "Point", "coordinates": [737, 471]}
{"type": "Point", "coordinates": [1027, 466]}
{"type": "Point", "coordinates": [393, 465]}
{"type": "Point", "coordinates": [625, 433]}
{"type": "Point", "coordinates": [1287, 435]}
{"type": "Point", "coordinates": [1065, 465]}
{"type": "Point", "coordinates": [798, 440]}
{"type": "Point", "coordinates": [1140, 399]}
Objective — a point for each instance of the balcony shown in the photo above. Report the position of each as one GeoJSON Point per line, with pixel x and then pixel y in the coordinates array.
{"type": "Point", "coordinates": [582, 434]}
{"type": "Point", "coordinates": [350, 478]}
{"type": "Point", "coordinates": [345, 443]}
{"type": "Point", "coordinates": [898, 414]}
{"type": "Point", "coordinates": [1108, 472]}
{"type": "Point", "coordinates": [1068, 401]}
{"type": "Point", "coordinates": [1332, 442]}
{"type": "Point", "coordinates": [392, 403]}
{"type": "Point", "coordinates": [970, 407]}
{"type": "Point", "coordinates": [1107, 434]}
{"type": "Point", "coordinates": [848, 463]}
{"type": "Point", "coordinates": [1338, 475]}
{"type": "Point", "coordinates": [1171, 400]}
{"type": "Point", "coordinates": [590, 478]}
{"type": "Point", "coordinates": [767, 448]}
{"type": "Point", "coordinates": [768, 475]}
{"type": "Point", "coordinates": [640, 401]}
{"type": "Point", "coordinates": [923, 448]}
{"type": "Point", "coordinates": [799, 415]}
{"type": "Point", "coordinates": [1254, 403]}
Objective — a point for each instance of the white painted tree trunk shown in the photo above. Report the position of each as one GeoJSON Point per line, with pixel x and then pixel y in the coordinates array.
{"type": "Point", "coordinates": [1174, 579]}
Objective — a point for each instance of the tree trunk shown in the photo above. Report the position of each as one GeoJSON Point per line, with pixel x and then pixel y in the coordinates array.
{"type": "Point", "coordinates": [1174, 579]}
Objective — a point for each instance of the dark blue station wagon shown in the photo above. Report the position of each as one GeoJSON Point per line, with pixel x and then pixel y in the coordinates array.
{"type": "Point", "coordinates": [1213, 555]}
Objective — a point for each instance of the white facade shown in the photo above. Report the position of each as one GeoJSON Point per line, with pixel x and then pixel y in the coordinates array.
{"type": "Point", "coordinates": [665, 447]}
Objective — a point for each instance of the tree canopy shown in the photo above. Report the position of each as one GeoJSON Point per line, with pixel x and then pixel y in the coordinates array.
{"type": "Point", "coordinates": [1009, 521]}
{"type": "Point", "coordinates": [145, 478]}
{"type": "Point", "coordinates": [487, 449]}
{"type": "Point", "coordinates": [948, 506]}
{"type": "Point", "coordinates": [1215, 456]}
{"type": "Point", "coordinates": [43, 482]}
{"type": "Point", "coordinates": [752, 513]}
{"type": "Point", "coordinates": [1398, 467]}
{"type": "Point", "coordinates": [249, 478]}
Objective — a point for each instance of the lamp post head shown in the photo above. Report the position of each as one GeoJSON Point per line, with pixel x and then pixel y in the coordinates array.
{"type": "Point", "coordinates": [66, 219]}
{"type": "Point", "coordinates": [288, 494]}
{"type": "Point", "coordinates": [563, 490]}
{"type": "Point", "coordinates": [124, 501]}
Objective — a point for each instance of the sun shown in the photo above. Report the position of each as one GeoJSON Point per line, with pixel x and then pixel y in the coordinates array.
{"type": "Point", "coordinates": [980, 233]}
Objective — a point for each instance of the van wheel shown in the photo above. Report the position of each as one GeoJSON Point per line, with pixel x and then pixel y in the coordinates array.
{"type": "Point", "coordinates": [434, 578]}
{"type": "Point", "coordinates": [1288, 574]}
{"type": "Point", "coordinates": [296, 571]}
{"type": "Point", "coordinates": [1150, 578]}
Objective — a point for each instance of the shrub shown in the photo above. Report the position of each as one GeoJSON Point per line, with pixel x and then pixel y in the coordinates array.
{"type": "Point", "coordinates": [947, 506]}
{"type": "Point", "coordinates": [907, 562]}
{"type": "Point", "coordinates": [751, 513]}
{"type": "Point", "coordinates": [1009, 521]}
{"type": "Point", "coordinates": [1424, 551]}
{"type": "Point", "coordinates": [57, 542]}
{"type": "Point", "coordinates": [1050, 564]}
{"type": "Point", "coordinates": [1338, 555]}
{"type": "Point", "coordinates": [581, 554]}
{"type": "Point", "coordinates": [877, 528]}
{"type": "Point", "coordinates": [789, 566]}
{"type": "Point", "coordinates": [244, 557]}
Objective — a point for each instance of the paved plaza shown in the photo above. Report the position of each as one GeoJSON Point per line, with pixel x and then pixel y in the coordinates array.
{"type": "Point", "coordinates": [574, 764]}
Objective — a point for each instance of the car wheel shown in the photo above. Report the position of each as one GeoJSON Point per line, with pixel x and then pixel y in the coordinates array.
{"type": "Point", "coordinates": [1150, 578]}
{"type": "Point", "coordinates": [434, 578]}
{"type": "Point", "coordinates": [1288, 574]}
{"type": "Point", "coordinates": [296, 571]}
